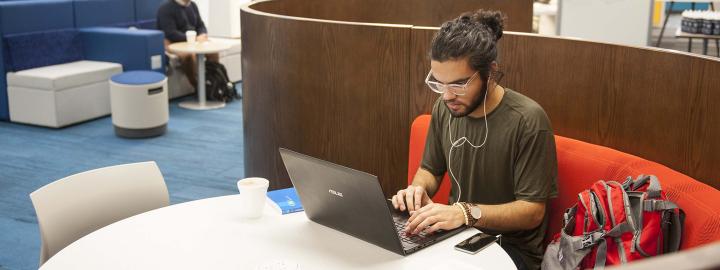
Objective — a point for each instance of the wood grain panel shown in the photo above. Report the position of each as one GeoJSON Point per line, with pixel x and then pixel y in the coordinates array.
{"type": "Point", "coordinates": [347, 92]}
{"type": "Point", "coordinates": [328, 90]}
{"type": "Point", "coordinates": [412, 12]}
{"type": "Point", "coordinates": [652, 103]}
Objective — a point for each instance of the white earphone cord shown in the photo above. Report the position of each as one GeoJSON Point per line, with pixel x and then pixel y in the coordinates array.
{"type": "Point", "coordinates": [461, 141]}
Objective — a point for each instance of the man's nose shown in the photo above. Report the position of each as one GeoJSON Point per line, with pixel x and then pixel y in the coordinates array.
{"type": "Point", "coordinates": [448, 95]}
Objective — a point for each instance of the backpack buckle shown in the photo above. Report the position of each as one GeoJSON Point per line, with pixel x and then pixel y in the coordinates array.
{"type": "Point", "coordinates": [591, 239]}
{"type": "Point", "coordinates": [587, 241]}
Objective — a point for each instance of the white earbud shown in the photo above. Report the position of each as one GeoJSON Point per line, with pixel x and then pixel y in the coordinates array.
{"type": "Point", "coordinates": [461, 141]}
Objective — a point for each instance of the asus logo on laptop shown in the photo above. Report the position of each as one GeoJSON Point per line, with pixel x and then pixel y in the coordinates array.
{"type": "Point", "coordinates": [339, 194]}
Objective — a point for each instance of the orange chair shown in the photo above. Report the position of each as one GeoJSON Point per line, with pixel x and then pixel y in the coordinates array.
{"type": "Point", "coordinates": [580, 164]}
{"type": "Point", "coordinates": [418, 134]}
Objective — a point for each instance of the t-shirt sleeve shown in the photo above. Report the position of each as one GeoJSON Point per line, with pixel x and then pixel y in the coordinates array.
{"type": "Point", "coordinates": [536, 167]}
{"type": "Point", "coordinates": [433, 159]}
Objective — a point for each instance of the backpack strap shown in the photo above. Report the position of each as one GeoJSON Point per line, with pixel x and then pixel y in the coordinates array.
{"type": "Point", "coordinates": [658, 205]}
{"type": "Point", "coordinates": [628, 184]}
{"type": "Point", "coordinates": [654, 189]}
{"type": "Point", "coordinates": [640, 181]}
{"type": "Point", "coordinates": [674, 234]}
{"type": "Point", "coordinates": [569, 215]}
{"type": "Point", "coordinates": [615, 232]}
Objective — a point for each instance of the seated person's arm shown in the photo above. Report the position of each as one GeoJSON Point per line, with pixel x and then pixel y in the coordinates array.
{"type": "Point", "coordinates": [513, 216]}
{"type": "Point", "coordinates": [516, 215]}
{"type": "Point", "coordinates": [536, 170]}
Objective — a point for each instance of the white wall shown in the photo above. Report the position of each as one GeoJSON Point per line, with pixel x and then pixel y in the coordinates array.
{"type": "Point", "coordinates": [222, 17]}
{"type": "Point", "coordinates": [204, 10]}
{"type": "Point", "coordinates": [624, 22]}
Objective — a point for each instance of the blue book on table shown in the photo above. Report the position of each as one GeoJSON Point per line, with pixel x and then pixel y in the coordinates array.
{"type": "Point", "coordinates": [285, 200]}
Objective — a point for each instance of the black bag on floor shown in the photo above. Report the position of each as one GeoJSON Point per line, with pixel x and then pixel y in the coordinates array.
{"type": "Point", "coordinates": [217, 85]}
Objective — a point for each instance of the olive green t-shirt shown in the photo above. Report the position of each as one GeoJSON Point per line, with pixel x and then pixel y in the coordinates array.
{"type": "Point", "coordinates": [517, 161]}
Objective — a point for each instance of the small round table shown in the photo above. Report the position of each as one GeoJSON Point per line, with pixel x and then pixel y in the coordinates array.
{"type": "Point", "coordinates": [200, 49]}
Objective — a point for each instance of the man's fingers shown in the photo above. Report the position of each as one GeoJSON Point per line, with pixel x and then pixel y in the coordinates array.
{"type": "Point", "coordinates": [425, 224]}
{"type": "Point", "coordinates": [415, 219]}
{"type": "Point", "coordinates": [437, 226]}
{"type": "Point", "coordinates": [394, 203]}
{"type": "Point", "coordinates": [409, 199]}
{"type": "Point", "coordinates": [401, 200]}
{"type": "Point", "coordinates": [419, 192]}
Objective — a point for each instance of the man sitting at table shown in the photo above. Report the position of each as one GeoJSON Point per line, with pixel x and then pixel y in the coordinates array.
{"type": "Point", "coordinates": [175, 18]}
{"type": "Point", "coordinates": [496, 144]}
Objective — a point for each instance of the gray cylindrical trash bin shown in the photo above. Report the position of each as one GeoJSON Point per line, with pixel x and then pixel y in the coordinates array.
{"type": "Point", "coordinates": [139, 104]}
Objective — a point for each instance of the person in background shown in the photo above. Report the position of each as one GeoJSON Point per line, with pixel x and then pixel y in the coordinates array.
{"type": "Point", "coordinates": [175, 18]}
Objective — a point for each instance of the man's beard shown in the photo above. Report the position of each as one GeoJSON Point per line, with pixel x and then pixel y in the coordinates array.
{"type": "Point", "coordinates": [479, 100]}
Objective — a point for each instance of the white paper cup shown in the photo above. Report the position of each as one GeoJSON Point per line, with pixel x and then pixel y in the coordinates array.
{"type": "Point", "coordinates": [191, 36]}
{"type": "Point", "coordinates": [252, 196]}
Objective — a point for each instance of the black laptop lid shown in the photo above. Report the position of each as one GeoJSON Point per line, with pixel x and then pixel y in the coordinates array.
{"type": "Point", "coordinates": [341, 198]}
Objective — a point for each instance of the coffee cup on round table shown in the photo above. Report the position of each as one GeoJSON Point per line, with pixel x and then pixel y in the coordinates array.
{"type": "Point", "coordinates": [253, 193]}
{"type": "Point", "coordinates": [191, 36]}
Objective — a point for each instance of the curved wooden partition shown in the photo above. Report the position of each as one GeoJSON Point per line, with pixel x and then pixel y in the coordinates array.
{"type": "Point", "coordinates": [347, 92]}
{"type": "Point", "coordinates": [409, 12]}
{"type": "Point", "coordinates": [336, 90]}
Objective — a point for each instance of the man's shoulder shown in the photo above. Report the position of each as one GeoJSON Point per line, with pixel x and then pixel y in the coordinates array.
{"type": "Point", "coordinates": [530, 111]}
{"type": "Point", "coordinates": [166, 6]}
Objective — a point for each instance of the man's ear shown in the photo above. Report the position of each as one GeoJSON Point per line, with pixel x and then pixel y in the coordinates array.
{"type": "Point", "coordinates": [494, 67]}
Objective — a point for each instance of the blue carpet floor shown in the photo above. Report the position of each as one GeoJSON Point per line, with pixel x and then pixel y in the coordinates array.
{"type": "Point", "coordinates": [200, 156]}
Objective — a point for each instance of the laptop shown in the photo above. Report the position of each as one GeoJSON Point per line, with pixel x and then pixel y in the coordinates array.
{"type": "Point", "coordinates": [353, 202]}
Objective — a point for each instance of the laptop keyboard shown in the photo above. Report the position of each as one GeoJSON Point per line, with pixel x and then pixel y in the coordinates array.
{"type": "Point", "coordinates": [409, 240]}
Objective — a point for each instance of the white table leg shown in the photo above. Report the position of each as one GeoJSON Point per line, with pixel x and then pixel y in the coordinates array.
{"type": "Point", "coordinates": [201, 103]}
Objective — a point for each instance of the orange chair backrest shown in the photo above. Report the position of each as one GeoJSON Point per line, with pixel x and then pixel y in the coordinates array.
{"type": "Point", "coordinates": [580, 164]}
{"type": "Point", "coordinates": [418, 134]}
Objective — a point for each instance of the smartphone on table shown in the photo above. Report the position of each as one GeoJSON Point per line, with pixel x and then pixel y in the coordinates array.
{"type": "Point", "coordinates": [477, 242]}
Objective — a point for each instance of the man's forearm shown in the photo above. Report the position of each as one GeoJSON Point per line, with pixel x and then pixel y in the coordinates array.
{"type": "Point", "coordinates": [513, 216]}
{"type": "Point", "coordinates": [426, 180]}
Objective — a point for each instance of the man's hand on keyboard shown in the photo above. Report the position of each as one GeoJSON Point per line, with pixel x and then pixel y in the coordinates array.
{"type": "Point", "coordinates": [411, 198]}
{"type": "Point", "coordinates": [433, 217]}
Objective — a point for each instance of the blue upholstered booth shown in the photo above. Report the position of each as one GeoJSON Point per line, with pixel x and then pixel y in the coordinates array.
{"type": "Point", "coordinates": [29, 16]}
{"type": "Point", "coordinates": [23, 21]}
{"type": "Point", "coordinates": [134, 49]}
{"type": "Point", "coordinates": [146, 13]}
{"type": "Point", "coordinates": [104, 13]}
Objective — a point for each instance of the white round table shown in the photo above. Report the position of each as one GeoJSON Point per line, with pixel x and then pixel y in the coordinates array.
{"type": "Point", "coordinates": [208, 234]}
{"type": "Point", "coordinates": [200, 49]}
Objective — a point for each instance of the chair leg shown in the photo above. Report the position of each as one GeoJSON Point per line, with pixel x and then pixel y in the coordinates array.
{"type": "Point", "coordinates": [662, 30]}
{"type": "Point", "coordinates": [689, 44]}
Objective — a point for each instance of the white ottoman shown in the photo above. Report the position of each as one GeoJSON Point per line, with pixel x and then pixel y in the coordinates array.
{"type": "Point", "coordinates": [139, 104]}
{"type": "Point", "coordinates": [60, 95]}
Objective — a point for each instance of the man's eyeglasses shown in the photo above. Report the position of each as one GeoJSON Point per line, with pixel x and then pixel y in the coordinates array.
{"type": "Point", "coordinates": [456, 89]}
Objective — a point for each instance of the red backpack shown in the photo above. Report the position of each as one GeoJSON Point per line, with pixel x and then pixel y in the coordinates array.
{"type": "Point", "coordinates": [615, 223]}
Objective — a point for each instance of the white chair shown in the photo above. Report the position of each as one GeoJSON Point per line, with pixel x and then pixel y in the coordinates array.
{"type": "Point", "coordinates": [77, 205]}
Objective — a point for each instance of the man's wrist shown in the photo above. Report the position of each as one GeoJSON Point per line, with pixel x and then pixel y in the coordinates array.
{"type": "Point", "coordinates": [463, 211]}
{"type": "Point", "coordinates": [470, 217]}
